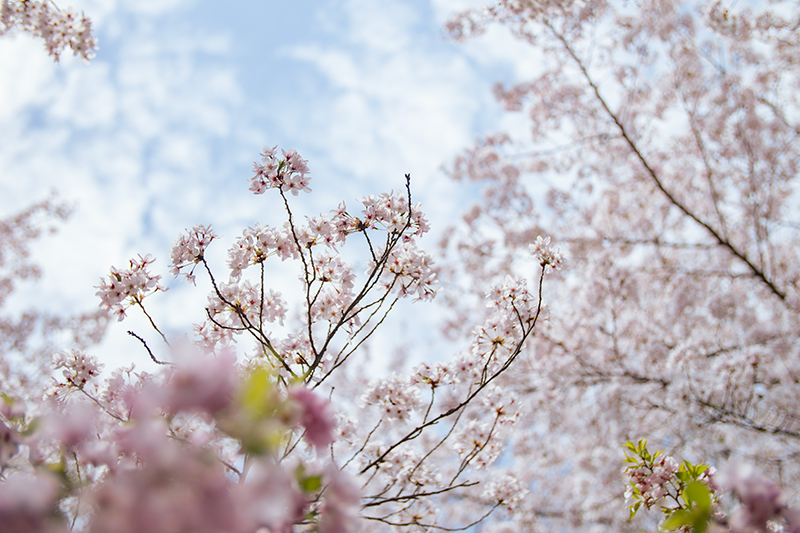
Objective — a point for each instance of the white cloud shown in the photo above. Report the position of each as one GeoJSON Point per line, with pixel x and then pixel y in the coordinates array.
{"type": "Point", "coordinates": [382, 27]}
{"type": "Point", "coordinates": [400, 101]}
{"type": "Point", "coordinates": [100, 11]}
{"type": "Point", "coordinates": [124, 139]}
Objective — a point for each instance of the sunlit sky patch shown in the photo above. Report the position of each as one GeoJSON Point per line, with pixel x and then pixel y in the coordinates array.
{"type": "Point", "coordinates": [160, 130]}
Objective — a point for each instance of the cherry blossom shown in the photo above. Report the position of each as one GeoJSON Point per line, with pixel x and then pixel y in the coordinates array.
{"type": "Point", "coordinates": [60, 28]}
{"type": "Point", "coordinates": [287, 173]}
{"type": "Point", "coordinates": [660, 156]}
{"type": "Point", "coordinates": [549, 257]}
{"type": "Point", "coordinates": [29, 337]}
{"type": "Point", "coordinates": [78, 368]}
{"type": "Point", "coordinates": [316, 418]}
{"type": "Point", "coordinates": [127, 287]}
{"type": "Point", "coordinates": [507, 491]}
{"type": "Point", "coordinates": [677, 317]}
{"type": "Point", "coordinates": [189, 249]}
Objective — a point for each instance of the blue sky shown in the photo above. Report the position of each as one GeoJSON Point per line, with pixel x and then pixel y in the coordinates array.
{"type": "Point", "coordinates": [159, 132]}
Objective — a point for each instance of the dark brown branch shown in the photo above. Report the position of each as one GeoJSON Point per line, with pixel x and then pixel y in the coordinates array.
{"type": "Point", "coordinates": [146, 347]}
{"type": "Point", "coordinates": [419, 494]}
{"type": "Point", "coordinates": [725, 243]}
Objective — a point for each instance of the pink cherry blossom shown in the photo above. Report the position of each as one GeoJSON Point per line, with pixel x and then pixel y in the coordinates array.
{"type": "Point", "coordinates": [27, 503]}
{"type": "Point", "coordinates": [203, 384]}
{"type": "Point", "coordinates": [126, 287]}
{"type": "Point", "coordinates": [60, 28]}
{"type": "Point", "coordinates": [289, 173]}
{"type": "Point", "coordinates": [316, 417]}
{"type": "Point", "coordinates": [190, 249]}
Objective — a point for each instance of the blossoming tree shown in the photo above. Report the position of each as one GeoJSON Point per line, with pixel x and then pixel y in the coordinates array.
{"type": "Point", "coordinates": [138, 452]}
{"type": "Point", "coordinates": [251, 424]}
{"type": "Point", "coordinates": [664, 156]}
{"type": "Point", "coordinates": [672, 184]}
{"type": "Point", "coordinates": [28, 338]}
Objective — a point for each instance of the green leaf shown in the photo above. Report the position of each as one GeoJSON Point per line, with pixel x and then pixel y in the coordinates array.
{"type": "Point", "coordinates": [31, 427]}
{"type": "Point", "coordinates": [311, 484]}
{"type": "Point", "coordinates": [698, 495]}
{"type": "Point", "coordinates": [307, 483]}
{"type": "Point", "coordinates": [634, 509]}
{"type": "Point", "coordinates": [257, 394]}
{"type": "Point", "coordinates": [677, 520]}
{"type": "Point", "coordinates": [698, 499]}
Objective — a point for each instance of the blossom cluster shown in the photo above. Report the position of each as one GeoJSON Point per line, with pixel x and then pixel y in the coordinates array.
{"type": "Point", "coordinates": [659, 480]}
{"type": "Point", "coordinates": [189, 250]}
{"type": "Point", "coordinates": [396, 396]}
{"type": "Point", "coordinates": [77, 367]}
{"type": "Point", "coordinates": [654, 481]}
{"type": "Point", "coordinates": [695, 492]}
{"type": "Point", "coordinates": [507, 491]}
{"type": "Point", "coordinates": [241, 303]}
{"type": "Point", "coordinates": [512, 311]}
{"type": "Point", "coordinates": [550, 257]}
{"type": "Point", "coordinates": [257, 244]}
{"type": "Point", "coordinates": [432, 374]}
{"type": "Point", "coordinates": [126, 287]}
{"type": "Point", "coordinates": [60, 28]}
{"type": "Point", "coordinates": [410, 271]}
{"type": "Point", "coordinates": [390, 211]}
{"type": "Point", "coordinates": [287, 173]}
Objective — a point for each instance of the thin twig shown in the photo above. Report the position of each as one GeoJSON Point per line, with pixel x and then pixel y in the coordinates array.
{"type": "Point", "coordinates": [144, 343]}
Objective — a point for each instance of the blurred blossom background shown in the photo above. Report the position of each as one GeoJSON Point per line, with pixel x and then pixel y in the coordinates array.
{"type": "Point", "coordinates": [159, 132]}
